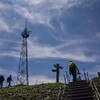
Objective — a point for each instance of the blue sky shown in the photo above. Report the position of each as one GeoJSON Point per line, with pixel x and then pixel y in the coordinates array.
{"type": "Point", "coordinates": [61, 30]}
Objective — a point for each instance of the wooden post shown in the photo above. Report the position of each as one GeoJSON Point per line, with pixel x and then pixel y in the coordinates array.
{"type": "Point", "coordinates": [57, 70]}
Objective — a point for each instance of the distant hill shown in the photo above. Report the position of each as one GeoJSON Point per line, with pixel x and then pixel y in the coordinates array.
{"type": "Point", "coordinates": [48, 91]}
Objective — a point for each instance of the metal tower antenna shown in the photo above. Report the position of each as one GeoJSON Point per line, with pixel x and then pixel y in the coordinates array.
{"type": "Point", "coordinates": [23, 76]}
{"type": "Point", "coordinates": [26, 23]}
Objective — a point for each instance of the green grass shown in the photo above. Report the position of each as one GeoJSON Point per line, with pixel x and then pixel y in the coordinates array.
{"type": "Point", "coordinates": [36, 92]}
{"type": "Point", "coordinates": [97, 82]}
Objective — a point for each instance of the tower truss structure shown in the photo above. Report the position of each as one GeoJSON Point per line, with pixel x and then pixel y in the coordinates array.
{"type": "Point", "coordinates": [23, 77]}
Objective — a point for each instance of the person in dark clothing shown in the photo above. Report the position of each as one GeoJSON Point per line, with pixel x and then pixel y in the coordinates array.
{"type": "Point", "coordinates": [9, 79]}
{"type": "Point", "coordinates": [73, 70]}
{"type": "Point", "coordinates": [1, 80]}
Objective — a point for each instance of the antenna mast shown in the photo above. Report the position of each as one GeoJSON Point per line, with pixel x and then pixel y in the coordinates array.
{"type": "Point", "coordinates": [23, 77]}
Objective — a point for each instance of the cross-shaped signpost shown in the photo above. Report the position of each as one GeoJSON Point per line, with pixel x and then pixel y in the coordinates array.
{"type": "Point", "coordinates": [57, 70]}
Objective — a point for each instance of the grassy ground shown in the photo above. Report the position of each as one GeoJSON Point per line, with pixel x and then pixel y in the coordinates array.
{"type": "Point", "coordinates": [36, 92]}
{"type": "Point", "coordinates": [48, 91]}
{"type": "Point", "coordinates": [97, 82]}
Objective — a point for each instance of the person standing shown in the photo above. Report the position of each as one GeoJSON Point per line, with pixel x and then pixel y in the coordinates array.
{"type": "Point", "coordinates": [9, 79]}
{"type": "Point", "coordinates": [73, 70]}
{"type": "Point", "coordinates": [1, 80]}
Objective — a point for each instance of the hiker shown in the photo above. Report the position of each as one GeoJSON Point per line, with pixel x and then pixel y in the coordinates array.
{"type": "Point", "coordinates": [1, 80]}
{"type": "Point", "coordinates": [9, 79]}
{"type": "Point", "coordinates": [73, 70]}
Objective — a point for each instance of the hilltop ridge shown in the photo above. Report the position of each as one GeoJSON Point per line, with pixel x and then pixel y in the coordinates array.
{"type": "Point", "coordinates": [48, 91]}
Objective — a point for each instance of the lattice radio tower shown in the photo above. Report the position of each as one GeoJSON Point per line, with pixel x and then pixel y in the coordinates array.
{"type": "Point", "coordinates": [23, 76]}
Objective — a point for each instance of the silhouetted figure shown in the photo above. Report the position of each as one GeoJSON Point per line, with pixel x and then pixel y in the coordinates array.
{"type": "Point", "coordinates": [73, 70]}
{"type": "Point", "coordinates": [9, 79]}
{"type": "Point", "coordinates": [1, 80]}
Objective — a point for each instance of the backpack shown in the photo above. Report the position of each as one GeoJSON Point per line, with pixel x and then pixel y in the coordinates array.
{"type": "Point", "coordinates": [9, 79]}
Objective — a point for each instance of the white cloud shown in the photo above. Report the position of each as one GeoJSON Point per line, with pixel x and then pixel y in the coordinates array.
{"type": "Point", "coordinates": [7, 72]}
{"type": "Point", "coordinates": [4, 7]}
{"type": "Point", "coordinates": [35, 2]}
{"type": "Point", "coordinates": [39, 11]}
{"type": "Point", "coordinates": [1, 70]}
{"type": "Point", "coordinates": [42, 12]}
{"type": "Point", "coordinates": [13, 54]}
{"type": "Point", "coordinates": [98, 35]}
{"type": "Point", "coordinates": [10, 51]}
{"type": "Point", "coordinates": [40, 79]}
{"type": "Point", "coordinates": [4, 26]}
{"type": "Point", "coordinates": [34, 17]}
{"type": "Point", "coordinates": [40, 51]}
{"type": "Point", "coordinates": [36, 11]}
{"type": "Point", "coordinates": [4, 15]}
{"type": "Point", "coordinates": [36, 50]}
